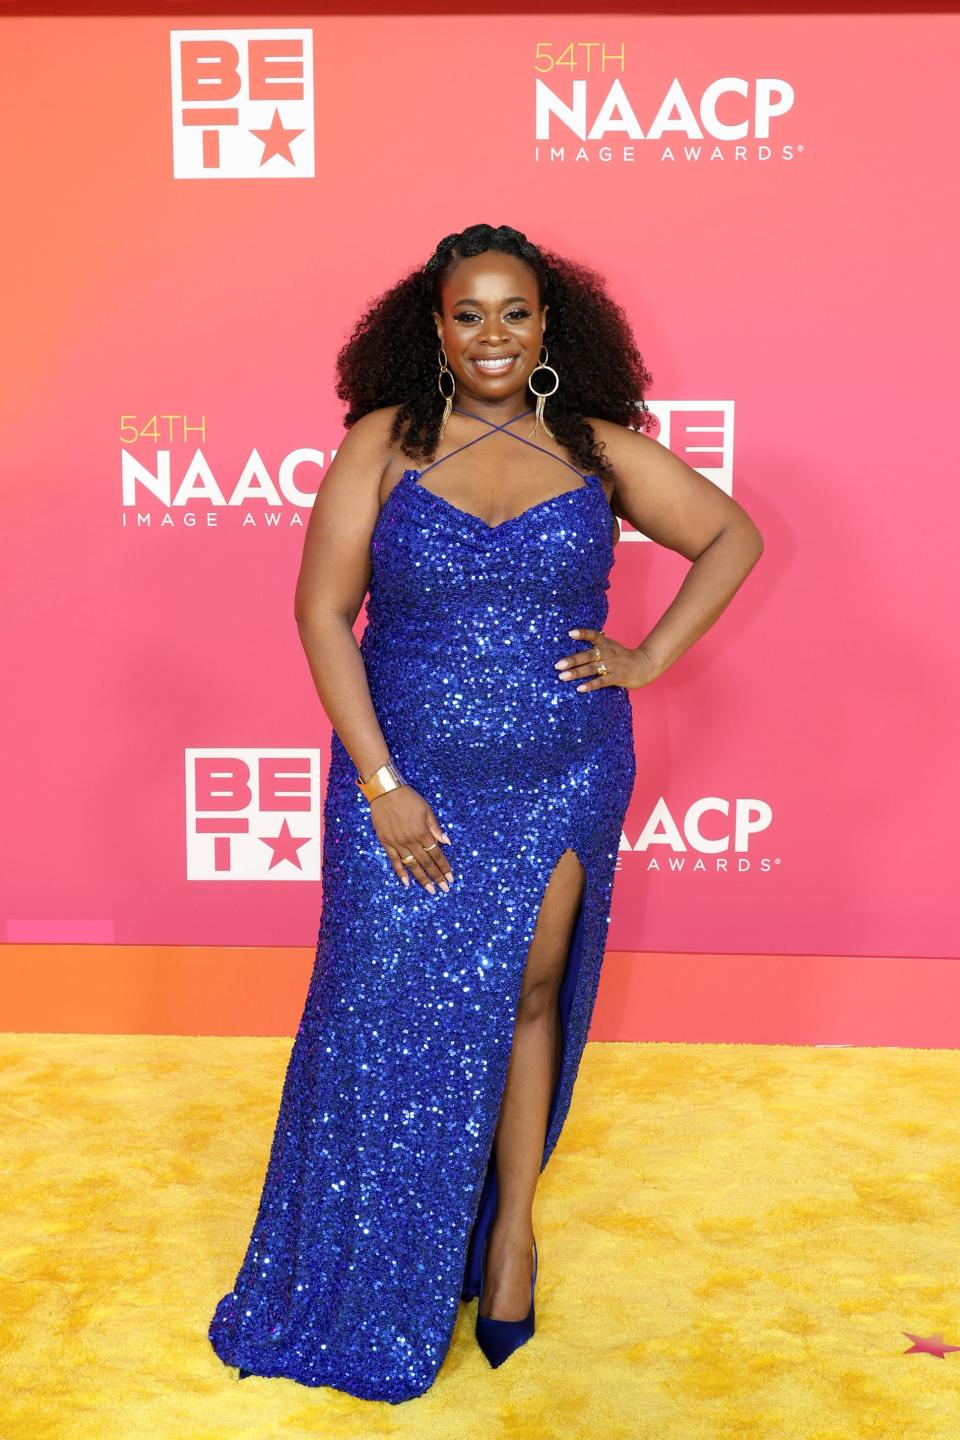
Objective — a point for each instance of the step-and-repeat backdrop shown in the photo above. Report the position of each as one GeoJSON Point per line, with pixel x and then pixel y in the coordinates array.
{"type": "Point", "coordinates": [196, 216]}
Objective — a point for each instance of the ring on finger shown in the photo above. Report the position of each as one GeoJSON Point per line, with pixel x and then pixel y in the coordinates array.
{"type": "Point", "coordinates": [406, 859]}
{"type": "Point", "coordinates": [602, 669]}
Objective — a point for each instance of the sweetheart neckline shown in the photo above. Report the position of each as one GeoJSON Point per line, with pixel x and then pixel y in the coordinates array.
{"type": "Point", "coordinates": [511, 519]}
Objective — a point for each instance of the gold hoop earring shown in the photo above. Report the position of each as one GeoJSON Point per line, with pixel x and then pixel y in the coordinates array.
{"type": "Point", "coordinates": [540, 426]}
{"type": "Point", "coordinates": [447, 399]}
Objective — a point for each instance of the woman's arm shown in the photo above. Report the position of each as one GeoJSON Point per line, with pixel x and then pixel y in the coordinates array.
{"type": "Point", "coordinates": [333, 580]}
{"type": "Point", "coordinates": [674, 505]}
{"type": "Point", "coordinates": [334, 576]}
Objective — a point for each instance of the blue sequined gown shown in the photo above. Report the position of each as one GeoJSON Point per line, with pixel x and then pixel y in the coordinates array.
{"type": "Point", "coordinates": [380, 1186]}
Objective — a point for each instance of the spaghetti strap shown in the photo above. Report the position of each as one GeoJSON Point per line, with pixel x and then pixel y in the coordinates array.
{"type": "Point", "coordinates": [477, 438]}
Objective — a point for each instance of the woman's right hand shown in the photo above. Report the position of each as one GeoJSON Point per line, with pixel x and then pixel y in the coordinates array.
{"type": "Point", "coordinates": [407, 826]}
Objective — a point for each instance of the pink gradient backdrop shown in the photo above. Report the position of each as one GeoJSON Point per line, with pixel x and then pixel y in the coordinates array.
{"type": "Point", "coordinates": [817, 294]}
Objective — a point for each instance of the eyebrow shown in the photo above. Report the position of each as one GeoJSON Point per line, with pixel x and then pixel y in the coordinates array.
{"type": "Point", "coordinates": [509, 300]}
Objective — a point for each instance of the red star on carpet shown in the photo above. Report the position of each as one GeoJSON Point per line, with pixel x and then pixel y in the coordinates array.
{"type": "Point", "coordinates": [276, 140]}
{"type": "Point", "coordinates": [928, 1345]}
{"type": "Point", "coordinates": [285, 846]}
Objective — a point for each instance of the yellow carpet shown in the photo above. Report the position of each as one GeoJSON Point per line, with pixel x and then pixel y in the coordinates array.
{"type": "Point", "coordinates": [733, 1240]}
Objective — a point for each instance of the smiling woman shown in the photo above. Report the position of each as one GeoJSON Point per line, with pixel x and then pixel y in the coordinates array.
{"type": "Point", "coordinates": [483, 744]}
{"type": "Point", "coordinates": [499, 366]}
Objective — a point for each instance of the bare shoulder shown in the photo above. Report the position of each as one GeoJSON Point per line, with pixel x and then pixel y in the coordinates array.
{"type": "Point", "coordinates": [370, 442]}
{"type": "Point", "coordinates": [621, 444]}
{"type": "Point", "coordinates": [349, 492]}
{"type": "Point", "coordinates": [623, 448]}
{"type": "Point", "coordinates": [369, 437]}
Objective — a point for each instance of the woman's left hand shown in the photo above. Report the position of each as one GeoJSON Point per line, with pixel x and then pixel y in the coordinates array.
{"type": "Point", "coordinates": [623, 666]}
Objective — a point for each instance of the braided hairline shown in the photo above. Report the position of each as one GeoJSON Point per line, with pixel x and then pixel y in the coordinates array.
{"type": "Point", "coordinates": [461, 244]}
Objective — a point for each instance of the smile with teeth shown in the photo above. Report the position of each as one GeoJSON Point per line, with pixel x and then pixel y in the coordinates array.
{"type": "Point", "coordinates": [503, 362]}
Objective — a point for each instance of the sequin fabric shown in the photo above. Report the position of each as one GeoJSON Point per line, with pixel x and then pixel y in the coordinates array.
{"type": "Point", "coordinates": [380, 1185]}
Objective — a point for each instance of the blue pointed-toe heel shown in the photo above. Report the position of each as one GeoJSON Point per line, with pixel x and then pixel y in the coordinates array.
{"type": "Point", "coordinates": [499, 1338]}
{"type": "Point", "coordinates": [244, 1373]}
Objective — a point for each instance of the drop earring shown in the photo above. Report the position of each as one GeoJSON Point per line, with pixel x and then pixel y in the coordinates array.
{"type": "Point", "coordinates": [447, 399]}
{"type": "Point", "coordinates": [540, 426]}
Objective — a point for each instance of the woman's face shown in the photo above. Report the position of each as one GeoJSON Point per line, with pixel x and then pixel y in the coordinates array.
{"type": "Point", "coordinates": [490, 312]}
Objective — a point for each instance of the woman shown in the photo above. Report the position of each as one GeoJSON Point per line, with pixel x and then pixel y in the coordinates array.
{"type": "Point", "coordinates": [483, 750]}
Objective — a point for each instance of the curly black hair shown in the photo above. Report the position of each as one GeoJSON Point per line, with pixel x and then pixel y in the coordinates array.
{"type": "Point", "coordinates": [391, 357]}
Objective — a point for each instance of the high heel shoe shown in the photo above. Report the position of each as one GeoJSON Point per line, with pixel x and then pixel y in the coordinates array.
{"type": "Point", "coordinates": [499, 1338]}
{"type": "Point", "coordinates": [244, 1373]}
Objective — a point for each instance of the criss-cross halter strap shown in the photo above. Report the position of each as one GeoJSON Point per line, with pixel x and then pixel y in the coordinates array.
{"type": "Point", "coordinates": [523, 440]}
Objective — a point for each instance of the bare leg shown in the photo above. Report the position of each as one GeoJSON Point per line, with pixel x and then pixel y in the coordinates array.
{"type": "Point", "coordinates": [531, 1075]}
